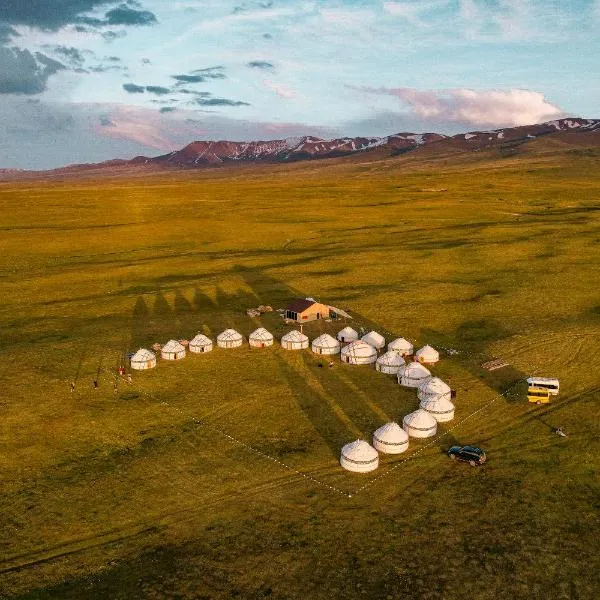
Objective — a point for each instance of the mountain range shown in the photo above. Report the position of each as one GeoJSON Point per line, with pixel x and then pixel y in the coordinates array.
{"type": "Point", "coordinates": [212, 153]}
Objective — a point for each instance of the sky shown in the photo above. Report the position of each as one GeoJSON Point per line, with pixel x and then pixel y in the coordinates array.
{"type": "Point", "coordinates": [90, 80]}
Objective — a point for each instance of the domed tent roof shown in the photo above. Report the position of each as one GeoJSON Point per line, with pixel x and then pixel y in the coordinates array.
{"type": "Point", "coordinates": [359, 352]}
{"type": "Point", "coordinates": [200, 343]}
{"type": "Point", "coordinates": [143, 355]}
{"type": "Point", "coordinates": [347, 335]}
{"type": "Point", "coordinates": [401, 346]}
{"type": "Point", "coordinates": [143, 359]}
{"type": "Point", "coordinates": [427, 354]}
{"type": "Point", "coordinates": [261, 335]}
{"type": "Point", "coordinates": [173, 350]}
{"type": "Point", "coordinates": [200, 340]}
{"type": "Point", "coordinates": [432, 388]}
{"type": "Point", "coordinates": [325, 344]}
{"type": "Point", "coordinates": [390, 438]}
{"type": "Point", "coordinates": [419, 424]}
{"type": "Point", "coordinates": [374, 339]}
{"type": "Point", "coordinates": [391, 359]}
{"type": "Point", "coordinates": [229, 335]}
{"type": "Point", "coordinates": [440, 407]}
{"type": "Point", "coordinates": [294, 340]}
{"type": "Point", "coordinates": [294, 336]}
{"type": "Point", "coordinates": [172, 347]}
{"type": "Point", "coordinates": [413, 374]}
{"type": "Point", "coordinates": [359, 456]}
{"type": "Point", "coordinates": [230, 338]}
{"type": "Point", "coordinates": [389, 363]}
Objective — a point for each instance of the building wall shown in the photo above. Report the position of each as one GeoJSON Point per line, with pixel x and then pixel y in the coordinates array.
{"type": "Point", "coordinates": [310, 314]}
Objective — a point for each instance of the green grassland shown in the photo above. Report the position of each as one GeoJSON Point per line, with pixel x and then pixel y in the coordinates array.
{"type": "Point", "coordinates": [218, 476]}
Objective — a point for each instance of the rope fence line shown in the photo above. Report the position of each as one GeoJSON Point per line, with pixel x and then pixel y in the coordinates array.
{"type": "Point", "coordinates": [251, 449]}
{"type": "Point", "coordinates": [307, 476]}
{"type": "Point", "coordinates": [348, 494]}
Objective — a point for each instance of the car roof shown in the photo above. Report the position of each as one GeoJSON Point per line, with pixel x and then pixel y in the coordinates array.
{"type": "Point", "coordinates": [473, 449]}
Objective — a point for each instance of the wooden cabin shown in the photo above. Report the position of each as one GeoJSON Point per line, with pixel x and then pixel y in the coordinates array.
{"type": "Point", "coordinates": [303, 310]}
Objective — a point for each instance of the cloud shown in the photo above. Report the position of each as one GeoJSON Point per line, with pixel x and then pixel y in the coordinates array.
{"type": "Point", "coordinates": [218, 102]}
{"type": "Point", "coordinates": [92, 132]}
{"type": "Point", "coordinates": [170, 130]}
{"type": "Point", "coordinates": [22, 72]}
{"type": "Point", "coordinates": [124, 15]}
{"type": "Point", "coordinates": [193, 92]}
{"type": "Point", "coordinates": [158, 90]}
{"type": "Point", "coordinates": [111, 36]}
{"type": "Point", "coordinates": [52, 15]}
{"type": "Point", "coordinates": [260, 64]}
{"type": "Point", "coordinates": [70, 55]}
{"type": "Point", "coordinates": [200, 75]}
{"type": "Point", "coordinates": [189, 78]}
{"type": "Point", "coordinates": [281, 90]}
{"type": "Point", "coordinates": [488, 108]}
{"type": "Point", "coordinates": [7, 33]}
{"type": "Point", "coordinates": [132, 88]}
{"type": "Point", "coordinates": [47, 14]}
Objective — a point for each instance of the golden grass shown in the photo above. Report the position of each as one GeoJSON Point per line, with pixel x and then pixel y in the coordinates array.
{"type": "Point", "coordinates": [139, 493]}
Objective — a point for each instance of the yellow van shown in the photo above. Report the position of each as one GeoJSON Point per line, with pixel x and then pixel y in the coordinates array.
{"type": "Point", "coordinates": [538, 395]}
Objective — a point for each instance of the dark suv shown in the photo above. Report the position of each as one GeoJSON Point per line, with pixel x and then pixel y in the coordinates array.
{"type": "Point", "coordinates": [471, 454]}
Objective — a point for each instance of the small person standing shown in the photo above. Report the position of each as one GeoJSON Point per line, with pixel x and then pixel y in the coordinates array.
{"type": "Point", "coordinates": [95, 384]}
{"type": "Point", "coordinates": [72, 386]}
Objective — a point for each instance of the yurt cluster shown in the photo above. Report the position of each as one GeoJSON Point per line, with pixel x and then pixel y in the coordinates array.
{"type": "Point", "coordinates": [435, 404]}
{"type": "Point", "coordinates": [400, 360]}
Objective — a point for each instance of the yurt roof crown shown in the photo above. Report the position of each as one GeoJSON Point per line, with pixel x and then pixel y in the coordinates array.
{"type": "Point", "coordinates": [172, 346]}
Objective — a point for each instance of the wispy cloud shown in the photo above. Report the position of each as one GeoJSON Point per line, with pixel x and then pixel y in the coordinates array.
{"type": "Point", "coordinates": [260, 64]}
{"type": "Point", "coordinates": [283, 91]}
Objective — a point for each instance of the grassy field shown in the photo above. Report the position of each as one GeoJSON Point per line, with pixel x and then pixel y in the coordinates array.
{"type": "Point", "coordinates": [218, 476]}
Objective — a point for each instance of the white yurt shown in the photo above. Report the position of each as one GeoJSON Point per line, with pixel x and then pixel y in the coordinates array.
{"type": "Point", "coordinates": [419, 424]}
{"type": "Point", "coordinates": [325, 344]}
{"type": "Point", "coordinates": [390, 439]}
{"type": "Point", "coordinates": [347, 335]}
{"type": "Point", "coordinates": [200, 344]}
{"type": "Point", "coordinates": [440, 408]}
{"type": "Point", "coordinates": [260, 338]}
{"type": "Point", "coordinates": [413, 375]}
{"type": "Point", "coordinates": [389, 363]}
{"type": "Point", "coordinates": [294, 340]}
{"type": "Point", "coordinates": [360, 457]}
{"type": "Point", "coordinates": [427, 355]}
{"type": "Point", "coordinates": [143, 359]}
{"type": "Point", "coordinates": [172, 350]}
{"type": "Point", "coordinates": [432, 388]}
{"type": "Point", "coordinates": [374, 339]}
{"type": "Point", "coordinates": [230, 338]}
{"type": "Point", "coordinates": [359, 353]}
{"type": "Point", "coordinates": [401, 346]}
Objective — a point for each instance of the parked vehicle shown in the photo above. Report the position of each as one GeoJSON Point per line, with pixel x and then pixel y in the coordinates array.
{"type": "Point", "coordinates": [549, 383]}
{"type": "Point", "coordinates": [538, 395]}
{"type": "Point", "coordinates": [470, 454]}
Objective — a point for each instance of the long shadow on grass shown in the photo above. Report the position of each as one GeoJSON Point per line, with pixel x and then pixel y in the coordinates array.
{"type": "Point", "coordinates": [349, 401]}
{"type": "Point", "coordinates": [330, 427]}
{"type": "Point", "coordinates": [472, 337]}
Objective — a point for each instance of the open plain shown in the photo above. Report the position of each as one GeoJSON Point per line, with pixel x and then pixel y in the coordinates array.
{"type": "Point", "coordinates": [218, 476]}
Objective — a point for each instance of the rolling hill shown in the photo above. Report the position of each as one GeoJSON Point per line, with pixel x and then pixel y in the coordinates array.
{"type": "Point", "coordinates": [571, 132]}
